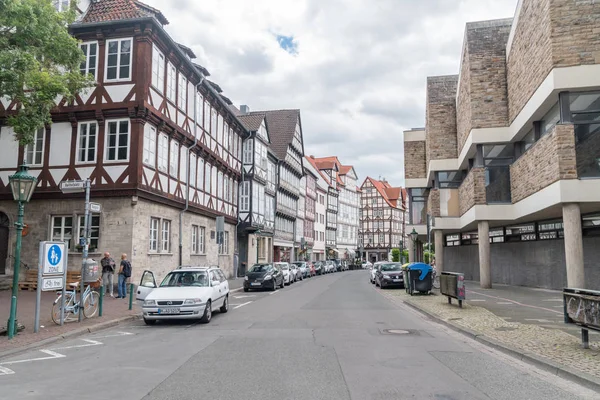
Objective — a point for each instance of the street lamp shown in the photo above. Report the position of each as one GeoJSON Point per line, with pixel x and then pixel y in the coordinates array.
{"type": "Point", "coordinates": [22, 185]}
{"type": "Point", "coordinates": [401, 248]}
{"type": "Point", "coordinates": [257, 233]}
{"type": "Point", "coordinates": [414, 235]}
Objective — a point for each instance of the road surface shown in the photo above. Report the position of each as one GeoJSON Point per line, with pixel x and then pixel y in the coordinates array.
{"type": "Point", "coordinates": [330, 337]}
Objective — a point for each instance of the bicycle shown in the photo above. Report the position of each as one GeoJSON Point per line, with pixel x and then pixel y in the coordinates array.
{"type": "Point", "coordinates": [91, 299]}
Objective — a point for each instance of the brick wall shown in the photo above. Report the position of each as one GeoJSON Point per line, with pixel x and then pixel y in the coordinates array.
{"type": "Point", "coordinates": [414, 160]}
{"type": "Point", "coordinates": [440, 131]}
{"type": "Point", "coordinates": [472, 191]}
{"type": "Point", "coordinates": [550, 159]}
{"type": "Point", "coordinates": [530, 57]}
{"type": "Point", "coordinates": [463, 100]}
{"type": "Point", "coordinates": [433, 202]}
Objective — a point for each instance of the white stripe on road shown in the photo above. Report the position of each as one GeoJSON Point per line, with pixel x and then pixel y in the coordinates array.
{"type": "Point", "coordinates": [274, 292]}
{"type": "Point", "coordinates": [244, 296]}
{"type": "Point", "coordinates": [90, 342]}
{"type": "Point", "coordinates": [476, 300]}
{"type": "Point", "coordinates": [6, 371]}
{"type": "Point", "coordinates": [505, 303]}
{"type": "Point", "coordinates": [242, 305]}
{"type": "Point", "coordinates": [49, 352]}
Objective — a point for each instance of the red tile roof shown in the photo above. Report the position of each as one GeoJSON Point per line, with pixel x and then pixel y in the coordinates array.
{"type": "Point", "coordinates": [313, 162]}
{"type": "Point", "coordinates": [114, 10]}
{"type": "Point", "coordinates": [390, 194]}
{"type": "Point", "coordinates": [329, 162]}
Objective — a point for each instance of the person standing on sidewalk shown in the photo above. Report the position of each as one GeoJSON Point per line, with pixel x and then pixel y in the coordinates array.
{"type": "Point", "coordinates": [108, 272]}
{"type": "Point", "coordinates": [124, 274]}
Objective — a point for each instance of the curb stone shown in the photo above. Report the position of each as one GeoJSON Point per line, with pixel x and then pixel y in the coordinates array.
{"type": "Point", "coordinates": [69, 335]}
{"type": "Point", "coordinates": [582, 378]}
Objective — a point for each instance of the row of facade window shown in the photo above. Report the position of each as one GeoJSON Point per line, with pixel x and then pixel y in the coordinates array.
{"type": "Point", "coordinates": [345, 232]}
{"type": "Point", "coordinates": [287, 201]}
{"type": "Point", "coordinates": [118, 62]}
{"type": "Point", "coordinates": [290, 177]}
{"type": "Point", "coordinates": [284, 225]}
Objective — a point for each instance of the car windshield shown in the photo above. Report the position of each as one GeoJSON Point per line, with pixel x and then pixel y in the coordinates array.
{"type": "Point", "coordinates": [185, 278]}
{"type": "Point", "coordinates": [390, 267]}
{"type": "Point", "coordinates": [260, 268]}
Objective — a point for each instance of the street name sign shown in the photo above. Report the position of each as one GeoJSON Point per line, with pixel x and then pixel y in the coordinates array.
{"type": "Point", "coordinates": [72, 186]}
{"type": "Point", "coordinates": [95, 207]}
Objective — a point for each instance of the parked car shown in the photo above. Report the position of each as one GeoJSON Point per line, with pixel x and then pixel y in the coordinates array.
{"type": "Point", "coordinates": [367, 265]}
{"type": "Point", "coordinates": [345, 265]}
{"type": "Point", "coordinates": [296, 271]}
{"type": "Point", "coordinates": [319, 267]}
{"type": "Point", "coordinates": [302, 269]}
{"type": "Point", "coordinates": [374, 271]}
{"type": "Point", "coordinates": [337, 264]}
{"type": "Point", "coordinates": [263, 276]}
{"type": "Point", "coordinates": [288, 275]}
{"type": "Point", "coordinates": [389, 274]}
{"type": "Point", "coordinates": [187, 292]}
{"type": "Point", "coordinates": [329, 266]}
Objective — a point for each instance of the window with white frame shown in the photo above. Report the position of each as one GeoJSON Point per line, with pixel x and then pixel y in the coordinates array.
{"type": "Point", "coordinates": [199, 106]}
{"type": "Point", "coordinates": [150, 145]}
{"type": "Point", "coordinates": [158, 69]}
{"type": "Point", "coordinates": [201, 235]}
{"type": "Point", "coordinates": [193, 164]}
{"type": "Point", "coordinates": [248, 152]}
{"type": "Point", "coordinates": [213, 181]}
{"type": "Point", "coordinates": [183, 159]}
{"type": "Point", "coordinates": [207, 175]}
{"type": "Point", "coordinates": [34, 151]}
{"type": "Point", "coordinates": [198, 239]}
{"type": "Point", "coordinates": [220, 185]}
{"type": "Point", "coordinates": [163, 152]}
{"type": "Point", "coordinates": [207, 115]}
{"type": "Point", "coordinates": [61, 5]}
{"type": "Point", "coordinates": [226, 136]}
{"type": "Point", "coordinates": [117, 141]}
{"type": "Point", "coordinates": [245, 196]}
{"type": "Point", "coordinates": [174, 158]}
{"type": "Point", "coordinates": [90, 64]}
{"type": "Point", "coordinates": [118, 59]}
{"type": "Point", "coordinates": [219, 132]}
{"type": "Point", "coordinates": [86, 142]}
{"type": "Point", "coordinates": [226, 189]}
{"type": "Point", "coordinates": [154, 224]}
{"type": "Point", "coordinates": [165, 236]}
{"type": "Point", "coordinates": [181, 103]}
{"type": "Point", "coordinates": [200, 174]}
{"type": "Point", "coordinates": [213, 123]}
{"type": "Point", "coordinates": [224, 246]}
{"type": "Point", "coordinates": [94, 229]}
{"type": "Point", "coordinates": [171, 82]}
{"type": "Point", "coordinates": [62, 229]}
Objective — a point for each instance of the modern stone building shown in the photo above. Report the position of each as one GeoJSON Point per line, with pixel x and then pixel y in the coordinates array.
{"type": "Point", "coordinates": [382, 225]}
{"type": "Point", "coordinates": [155, 137]}
{"type": "Point", "coordinates": [507, 164]}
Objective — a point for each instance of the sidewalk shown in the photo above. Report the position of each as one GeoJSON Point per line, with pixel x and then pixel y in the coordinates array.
{"type": "Point", "coordinates": [114, 310]}
{"type": "Point", "coordinates": [522, 321]}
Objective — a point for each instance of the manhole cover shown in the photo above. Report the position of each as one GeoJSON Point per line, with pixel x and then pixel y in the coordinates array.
{"type": "Point", "coordinates": [506, 329]}
{"type": "Point", "coordinates": [398, 332]}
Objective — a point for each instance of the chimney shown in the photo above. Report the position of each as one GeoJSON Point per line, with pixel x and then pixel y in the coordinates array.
{"type": "Point", "coordinates": [244, 109]}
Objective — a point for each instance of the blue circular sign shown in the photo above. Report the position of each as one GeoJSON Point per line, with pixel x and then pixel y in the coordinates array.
{"type": "Point", "coordinates": [54, 255]}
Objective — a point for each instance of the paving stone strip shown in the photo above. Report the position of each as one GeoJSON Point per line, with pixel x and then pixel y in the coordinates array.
{"type": "Point", "coordinates": [553, 344]}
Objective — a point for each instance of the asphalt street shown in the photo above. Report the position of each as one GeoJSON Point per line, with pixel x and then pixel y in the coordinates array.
{"type": "Point", "coordinates": [329, 337]}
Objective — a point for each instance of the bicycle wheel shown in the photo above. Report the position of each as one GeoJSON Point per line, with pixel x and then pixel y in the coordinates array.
{"type": "Point", "coordinates": [90, 304]}
{"type": "Point", "coordinates": [56, 309]}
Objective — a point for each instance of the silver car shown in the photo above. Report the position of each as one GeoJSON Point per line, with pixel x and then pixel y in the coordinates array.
{"type": "Point", "coordinates": [303, 269]}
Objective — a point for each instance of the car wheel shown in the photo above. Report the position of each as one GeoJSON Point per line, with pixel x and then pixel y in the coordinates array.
{"type": "Point", "coordinates": [149, 321]}
{"type": "Point", "coordinates": [207, 313]}
{"type": "Point", "coordinates": [282, 283]}
{"type": "Point", "coordinates": [225, 307]}
{"type": "Point", "coordinates": [246, 289]}
{"type": "Point", "coordinates": [274, 285]}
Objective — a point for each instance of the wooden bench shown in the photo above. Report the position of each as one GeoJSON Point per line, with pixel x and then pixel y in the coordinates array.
{"type": "Point", "coordinates": [31, 277]}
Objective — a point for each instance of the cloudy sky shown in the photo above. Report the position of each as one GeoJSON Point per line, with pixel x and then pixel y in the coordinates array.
{"type": "Point", "coordinates": [355, 68]}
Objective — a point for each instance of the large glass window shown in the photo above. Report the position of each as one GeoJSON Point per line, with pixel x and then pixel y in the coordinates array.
{"type": "Point", "coordinates": [90, 64]}
{"type": "Point", "coordinates": [158, 69]}
{"type": "Point", "coordinates": [117, 141]}
{"type": "Point", "coordinates": [34, 152]}
{"type": "Point", "coordinates": [418, 212]}
{"type": "Point", "coordinates": [585, 114]}
{"type": "Point", "coordinates": [94, 229]}
{"type": "Point", "coordinates": [149, 145]}
{"type": "Point", "coordinates": [86, 151]}
{"type": "Point", "coordinates": [449, 179]}
{"type": "Point", "coordinates": [118, 59]}
{"type": "Point", "coordinates": [174, 159]}
{"type": "Point", "coordinates": [171, 82]}
{"type": "Point", "coordinates": [62, 229]}
{"type": "Point", "coordinates": [549, 120]}
{"type": "Point", "coordinates": [163, 152]}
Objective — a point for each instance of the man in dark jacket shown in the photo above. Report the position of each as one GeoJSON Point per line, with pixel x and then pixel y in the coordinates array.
{"type": "Point", "coordinates": [108, 272]}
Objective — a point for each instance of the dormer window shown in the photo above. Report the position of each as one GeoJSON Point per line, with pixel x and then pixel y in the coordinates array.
{"type": "Point", "coordinates": [61, 5]}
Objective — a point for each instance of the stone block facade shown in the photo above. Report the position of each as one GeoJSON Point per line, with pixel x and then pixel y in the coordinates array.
{"type": "Point", "coordinates": [551, 159]}
{"type": "Point", "coordinates": [483, 99]}
{"type": "Point", "coordinates": [433, 203]}
{"type": "Point", "coordinates": [440, 130]}
{"type": "Point", "coordinates": [472, 190]}
{"type": "Point", "coordinates": [414, 160]}
{"type": "Point", "coordinates": [575, 32]}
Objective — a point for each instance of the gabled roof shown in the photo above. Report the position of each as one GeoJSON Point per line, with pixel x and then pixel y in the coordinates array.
{"type": "Point", "coordinates": [203, 70]}
{"type": "Point", "coordinates": [282, 126]}
{"type": "Point", "coordinates": [114, 10]}
{"type": "Point", "coordinates": [390, 194]}
{"type": "Point", "coordinates": [252, 121]}
{"type": "Point", "coordinates": [329, 162]}
{"type": "Point", "coordinates": [187, 51]}
{"type": "Point", "coordinates": [311, 160]}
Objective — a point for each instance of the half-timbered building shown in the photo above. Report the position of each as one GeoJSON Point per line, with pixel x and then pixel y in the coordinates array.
{"type": "Point", "coordinates": [285, 132]}
{"type": "Point", "coordinates": [310, 179]}
{"type": "Point", "coordinates": [382, 218]}
{"type": "Point", "coordinates": [320, 203]}
{"type": "Point", "coordinates": [258, 189]}
{"type": "Point", "coordinates": [157, 140]}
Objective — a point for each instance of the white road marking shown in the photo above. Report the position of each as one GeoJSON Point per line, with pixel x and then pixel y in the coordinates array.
{"type": "Point", "coordinates": [274, 292]}
{"type": "Point", "coordinates": [49, 352]}
{"type": "Point", "coordinates": [244, 296]}
{"type": "Point", "coordinates": [562, 306]}
{"type": "Point", "coordinates": [542, 321]}
{"type": "Point", "coordinates": [90, 342]}
{"type": "Point", "coordinates": [476, 300]}
{"type": "Point", "coordinates": [561, 300]}
{"type": "Point", "coordinates": [6, 371]}
{"type": "Point", "coordinates": [114, 335]}
{"type": "Point", "coordinates": [505, 302]}
{"type": "Point", "coordinates": [242, 305]}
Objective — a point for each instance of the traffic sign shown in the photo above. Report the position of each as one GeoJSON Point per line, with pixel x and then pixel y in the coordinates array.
{"type": "Point", "coordinates": [95, 207]}
{"type": "Point", "coordinates": [53, 258]}
{"type": "Point", "coordinates": [52, 283]}
{"type": "Point", "coordinates": [72, 186]}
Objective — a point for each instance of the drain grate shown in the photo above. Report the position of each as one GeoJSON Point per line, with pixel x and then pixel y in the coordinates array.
{"type": "Point", "coordinates": [400, 332]}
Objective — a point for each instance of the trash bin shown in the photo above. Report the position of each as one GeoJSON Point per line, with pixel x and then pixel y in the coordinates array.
{"type": "Point", "coordinates": [91, 271]}
{"type": "Point", "coordinates": [420, 278]}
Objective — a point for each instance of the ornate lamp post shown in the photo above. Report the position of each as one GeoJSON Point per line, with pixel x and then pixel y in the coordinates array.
{"type": "Point", "coordinates": [401, 248]}
{"type": "Point", "coordinates": [22, 185]}
{"type": "Point", "coordinates": [414, 236]}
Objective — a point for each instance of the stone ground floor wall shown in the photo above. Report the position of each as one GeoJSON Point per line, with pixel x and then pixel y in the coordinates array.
{"type": "Point", "coordinates": [537, 263]}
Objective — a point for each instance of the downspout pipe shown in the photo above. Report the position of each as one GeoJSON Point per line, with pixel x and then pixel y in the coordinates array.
{"type": "Point", "coordinates": [187, 180]}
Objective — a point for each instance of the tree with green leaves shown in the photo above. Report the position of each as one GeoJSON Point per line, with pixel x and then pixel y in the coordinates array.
{"type": "Point", "coordinates": [39, 62]}
{"type": "Point", "coordinates": [395, 255]}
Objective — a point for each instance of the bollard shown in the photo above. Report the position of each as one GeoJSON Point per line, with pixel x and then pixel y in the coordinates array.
{"type": "Point", "coordinates": [130, 296]}
{"type": "Point", "coordinates": [101, 301]}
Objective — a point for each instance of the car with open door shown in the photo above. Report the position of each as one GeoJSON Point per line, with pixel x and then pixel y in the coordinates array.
{"type": "Point", "coordinates": [187, 292]}
{"type": "Point", "coordinates": [263, 276]}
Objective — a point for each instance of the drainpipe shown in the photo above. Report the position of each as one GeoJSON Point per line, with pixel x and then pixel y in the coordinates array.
{"type": "Point", "coordinates": [238, 218]}
{"type": "Point", "coordinates": [187, 180]}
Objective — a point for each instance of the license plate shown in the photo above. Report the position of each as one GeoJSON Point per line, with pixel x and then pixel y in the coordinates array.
{"type": "Point", "coordinates": [168, 310]}
{"type": "Point", "coordinates": [397, 280]}
{"type": "Point", "coordinates": [255, 284]}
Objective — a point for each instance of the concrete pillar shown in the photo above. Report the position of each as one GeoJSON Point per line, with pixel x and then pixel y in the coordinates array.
{"type": "Point", "coordinates": [573, 245]}
{"type": "Point", "coordinates": [411, 251]}
{"type": "Point", "coordinates": [439, 251]}
{"type": "Point", "coordinates": [485, 261]}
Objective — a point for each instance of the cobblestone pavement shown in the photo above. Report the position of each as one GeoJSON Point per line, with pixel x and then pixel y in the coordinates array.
{"type": "Point", "coordinates": [558, 346]}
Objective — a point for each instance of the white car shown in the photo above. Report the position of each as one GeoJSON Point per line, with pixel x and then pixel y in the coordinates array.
{"type": "Point", "coordinates": [296, 271]}
{"type": "Point", "coordinates": [288, 275]}
{"type": "Point", "coordinates": [374, 271]}
{"type": "Point", "coordinates": [329, 266]}
{"type": "Point", "coordinates": [367, 265]}
{"type": "Point", "coordinates": [185, 293]}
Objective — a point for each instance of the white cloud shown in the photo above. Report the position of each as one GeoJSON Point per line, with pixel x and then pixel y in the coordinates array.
{"type": "Point", "coordinates": [359, 74]}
